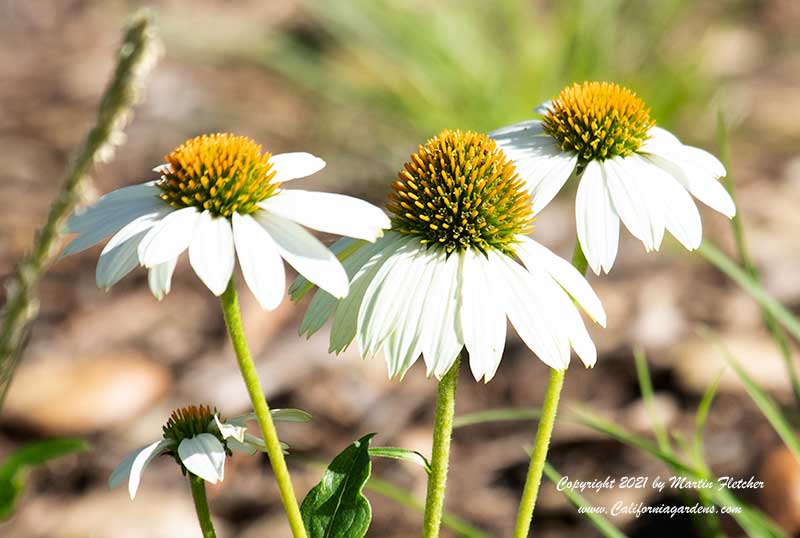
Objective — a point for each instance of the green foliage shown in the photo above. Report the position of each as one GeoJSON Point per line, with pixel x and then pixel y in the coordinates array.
{"type": "Point", "coordinates": [403, 454]}
{"type": "Point", "coordinates": [14, 470]}
{"type": "Point", "coordinates": [479, 65]}
{"type": "Point", "coordinates": [336, 507]}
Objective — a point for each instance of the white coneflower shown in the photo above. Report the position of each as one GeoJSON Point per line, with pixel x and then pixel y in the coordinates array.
{"type": "Point", "coordinates": [448, 273]}
{"type": "Point", "coordinates": [199, 441]}
{"type": "Point", "coordinates": [629, 169]}
{"type": "Point", "coordinates": [218, 194]}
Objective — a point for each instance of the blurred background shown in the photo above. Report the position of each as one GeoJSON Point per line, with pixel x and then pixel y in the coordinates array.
{"type": "Point", "coordinates": [361, 83]}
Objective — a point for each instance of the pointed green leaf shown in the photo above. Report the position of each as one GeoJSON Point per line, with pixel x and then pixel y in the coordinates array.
{"type": "Point", "coordinates": [336, 507]}
{"type": "Point", "coordinates": [13, 471]}
{"type": "Point", "coordinates": [401, 454]}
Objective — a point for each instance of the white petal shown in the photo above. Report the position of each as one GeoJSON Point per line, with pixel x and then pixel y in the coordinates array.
{"type": "Point", "coordinates": [564, 315]}
{"type": "Point", "coordinates": [331, 213]}
{"type": "Point", "coordinates": [632, 201]}
{"type": "Point", "coordinates": [441, 341]}
{"type": "Point", "coordinates": [169, 238]}
{"type": "Point", "coordinates": [660, 140]}
{"type": "Point", "coordinates": [138, 465]}
{"type": "Point", "coordinates": [119, 256]}
{"type": "Point", "coordinates": [229, 430]}
{"type": "Point", "coordinates": [379, 308]}
{"type": "Point", "coordinates": [343, 248]}
{"type": "Point", "coordinates": [404, 345]}
{"type": "Point", "coordinates": [305, 253]}
{"type": "Point", "coordinates": [539, 160]}
{"type": "Point", "coordinates": [699, 172]}
{"type": "Point", "coordinates": [323, 304]}
{"type": "Point", "coordinates": [345, 321]}
{"type": "Point", "coordinates": [481, 316]}
{"type": "Point", "coordinates": [260, 260]}
{"type": "Point", "coordinates": [121, 205]}
{"type": "Point", "coordinates": [597, 221]}
{"type": "Point", "coordinates": [681, 216]}
{"type": "Point", "coordinates": [211, 251]}
{"type": "Point", "coordinates": [534, 255]}
{"type": "Point", "coordinates": [528, 312]}
{"type": "Point", "coordinates": [295, 165]}
{"type": "Point", "coordinates": [204, 456]}
{"type": "Point", "coordinates": [159, 278]}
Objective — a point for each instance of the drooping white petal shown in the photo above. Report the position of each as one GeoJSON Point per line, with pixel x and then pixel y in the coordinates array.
{"type": "Point", "coordinates": [112, 224]}
{"type": "Point", "coordinates": [122, 205]}
{"type": "Point", "coordinates": [230, 430]}
{"type": "Point", "coordinates": [120, 255]}
{"type": "Point", "coordinates": [331, 213]}
{"type": "Point", "coordinates": [681, 216]}
{"type": "Point", "coordinates": [138, 464]}
{"type": "Point", "coordinates": [535, 255]}
{"type": "Point", "coordinates": [659, 140]}
{"type": "Point", "coordinates": [159, 278]}
{"type": "Point", "coordinates": [211, 251]}
{"type": "Point", "coordinates": [342, 248]}
{"type": "Point", "coordinates": [295, 165]}
{"type": "Point", "coordinates": [305, 253]}
{"type": "Point", "coordinates": [260, 261]}
{"type": "Point", "coordinates": [323, 304]}
{"type": "Point", "coordinates": [699, 172]}
{"type": "Point", "coordinates": [441, 341]}
{"type": "Point", "coordinates": [204, 456]}
{"type": "Point", "coordinates": [482, 319]}
{"type": "Point", "coordinates": [345, 320]}
{"type": "Point", "coordinates": [563, 315]}
{"type": "Point", "coordinates": [539, 160]}
{"type": "Point", "coordinates": [597, 220]}
{"type": "Point", "coordinates": [632, 200]}
{"type": "Point", "coordinates": [528, 312]}
{"type": "Point", "coordinates": [379, 308]}
{"type": "Point", "coordinates": [169, 238]}
{"type": "Point", "coordinates": [404, 345]}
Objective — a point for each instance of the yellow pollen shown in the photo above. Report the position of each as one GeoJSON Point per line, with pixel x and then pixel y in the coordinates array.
{"type": "Point", "coordinates": [221, 173]}
{"type": "Point", "coordinates": [598, 120]}
{"type": "Point", "coordinates": [460, 191]}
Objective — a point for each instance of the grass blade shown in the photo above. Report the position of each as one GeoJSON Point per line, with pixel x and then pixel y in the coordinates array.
{"type": "Point", "coordinates": [602, 524]}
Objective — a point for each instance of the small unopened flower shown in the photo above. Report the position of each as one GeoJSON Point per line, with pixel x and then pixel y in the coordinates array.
{"type": "Point", "coordinates": [218, 194]}
{"type": "Point", "coordinates": [448, 273]}
{"type": "Point", "coordinates": [199, 441]}
{"type": "Point", "coordinates": [629, 169]}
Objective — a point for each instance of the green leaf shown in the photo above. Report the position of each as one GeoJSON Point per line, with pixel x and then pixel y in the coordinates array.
{"type": "Point", "coordinates": [14, 470]}
{"type": "Point", "coordinates": [336, 507]}
{"type": "Point", "coordinates": [646, 385]}
{"type": "Point", "coordinates": [290, 415]}
{"type": "Point", "coordinates": [775, 309]}
{"type": "Point", "coordinates": [497, 415]}
{"type": "Point", "coordinates": [602, 524]}
{"type": "Point", "coordinates": [401, 454]}
{"type": "Point", "coordinates": [763, 400]}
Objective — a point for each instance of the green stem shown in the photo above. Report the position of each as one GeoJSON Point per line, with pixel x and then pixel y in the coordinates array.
{"type": "Point", "coordinates": [543, 433]}
{"type": "Point", "coordinates": [201, 505]}
{"type": "Point", "coordinates": [440, 458]}
{"type": "Point", "coordinates": [233, 319]}
{"type": "Point", "coordinates": [139, 47]}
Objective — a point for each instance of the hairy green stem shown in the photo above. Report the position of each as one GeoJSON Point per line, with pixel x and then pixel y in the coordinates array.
{"type": "Point", "coordinates": [198, 486]}
{"type": "Point", "coordinates": [140, 47]}
{"type": "Point", "coordinates": [440, 458]}
{"type": "Point", "coordinates": [233, 320]}
{"type": "Point", "coordinates": [544, 432]}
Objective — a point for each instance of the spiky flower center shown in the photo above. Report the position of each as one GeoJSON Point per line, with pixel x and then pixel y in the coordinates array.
{"type": "Point", "coordinates": [221, 172]}
{"type": "Point", "coordinates": [460, 191]}
{"type": "Point", "coordinates": [188, 422]}
{"type": "Point", "coordinates": [598, 120]}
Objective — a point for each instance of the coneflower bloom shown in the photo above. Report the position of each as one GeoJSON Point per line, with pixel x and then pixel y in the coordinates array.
{"type": "Point", "coordinates": [219, 194]}
{"type": "Point", "coordinates": [199, 441]}
{"type": "Point", "coordinates": [629, 169]}
{"type": "Point", "coordinates": [456, 263]}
